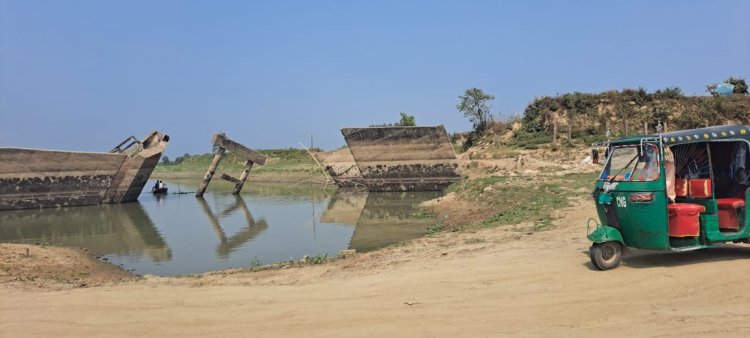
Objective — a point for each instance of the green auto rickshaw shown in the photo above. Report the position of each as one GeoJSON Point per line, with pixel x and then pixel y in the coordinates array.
{"type": "Point", "coordinates": [677, 191]}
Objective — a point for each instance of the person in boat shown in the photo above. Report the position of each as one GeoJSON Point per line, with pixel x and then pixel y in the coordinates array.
{"type": "Point", "coordinates": [162, 185]}
{"type": "Point", "coordinates": [156, 185]}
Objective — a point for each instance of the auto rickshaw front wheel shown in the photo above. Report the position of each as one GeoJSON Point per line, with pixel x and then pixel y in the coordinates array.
{"type": "Point", "coordinates": [606, 255]}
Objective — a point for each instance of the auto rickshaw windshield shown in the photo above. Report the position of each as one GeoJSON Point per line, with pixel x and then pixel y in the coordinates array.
{"type": "Point", "coordinates": [628, 163]}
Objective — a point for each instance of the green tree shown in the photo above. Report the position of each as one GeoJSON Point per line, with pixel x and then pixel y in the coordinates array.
{"type": "Point", "coordinates": [165, 159]}
{"type": "Point", "coordinates": [180, 159]}
{"type": "Point", "coordinates": [407, 120]}
{"type": "Point", "coordinates": [474, 105]}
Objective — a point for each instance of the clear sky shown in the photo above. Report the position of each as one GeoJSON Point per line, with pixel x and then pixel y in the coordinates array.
{"type": "Point", "coordinates": [83, 75]}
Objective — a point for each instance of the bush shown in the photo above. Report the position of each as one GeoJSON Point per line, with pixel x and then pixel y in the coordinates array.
{"type": "Point", "coordinates": [498, 127]}
{"type": "Point", "coordinates": [588, 139]}
{"type": "Point", "coordinates": [528, 140]}
{"type": "Point", "coordinates": [668, 93]}
{"type": "Point", "coordinates": [405, 121]}
{"type": "Point", "coordinates": [471, 139]}
{"type": "Point", "coordinates": [589, 114]}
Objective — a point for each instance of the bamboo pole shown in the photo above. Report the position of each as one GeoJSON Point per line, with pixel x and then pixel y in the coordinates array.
{"type": "Point", "coordinates": [322, 168]}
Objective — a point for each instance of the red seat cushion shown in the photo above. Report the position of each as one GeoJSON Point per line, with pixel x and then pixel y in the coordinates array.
{"type": "Point", "coordinates": [684, 219]}
{"type": "Point", "coordinates": [685, 208]}
{"type": "Point", "coordinates": [733, 203]}
{"type": "Point", "coordinates": [728, 212]}
{"type": "Point", "coordinates": [700, 187]}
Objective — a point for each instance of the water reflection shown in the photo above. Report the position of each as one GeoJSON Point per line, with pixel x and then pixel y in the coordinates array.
{"type": "Point", "coordinates": [180, 234]}
{"type": "Point", "coordinates": [228, 245]}
{"type": "Point", "coordinates": [345, 206]}
{"type": "Point", "coordinates": [103, 230]}
{"type": "Point", "coordinates": [380, 219]}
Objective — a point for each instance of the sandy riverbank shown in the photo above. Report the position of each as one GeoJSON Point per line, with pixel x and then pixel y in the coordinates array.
{"type": "Point", "coordinates": [42, 267]}
{"type": "Point", "coordinates": [491, 282]}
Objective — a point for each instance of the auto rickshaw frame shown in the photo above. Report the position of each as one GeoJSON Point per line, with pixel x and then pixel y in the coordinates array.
{"type": "Point", "coordinates": [633, 214]}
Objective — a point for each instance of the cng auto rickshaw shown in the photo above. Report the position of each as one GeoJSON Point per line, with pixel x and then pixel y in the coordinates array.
{"type": "Point", "coordinates": [676, 191]}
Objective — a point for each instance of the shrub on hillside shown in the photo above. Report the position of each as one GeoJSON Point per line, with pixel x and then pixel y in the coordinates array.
{"type": "Point", "coordinates": [626, 112]}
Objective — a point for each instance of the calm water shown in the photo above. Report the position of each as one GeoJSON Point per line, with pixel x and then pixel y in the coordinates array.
{"type": "Point", "coordinates": [182, 234]}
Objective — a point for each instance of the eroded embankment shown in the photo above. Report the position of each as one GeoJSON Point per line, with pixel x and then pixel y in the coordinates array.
{"type": "Point", "coordinates": [50, 267]}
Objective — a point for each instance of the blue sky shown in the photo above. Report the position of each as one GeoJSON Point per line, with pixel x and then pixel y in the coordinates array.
{"type": "Point", "coordinates": [83, 75]}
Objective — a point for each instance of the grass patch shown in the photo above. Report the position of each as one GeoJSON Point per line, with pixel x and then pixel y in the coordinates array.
{"type": "Point", "coordinates": [422, 214]}
{"type": "Point", "coordinates": [478, 184]}
{"type": "Point", "coordinates": [317, 259]}
{"type": "Point", "coordinates": [435, 228]}
{"type": "Point", "coordinates": [515, 200]}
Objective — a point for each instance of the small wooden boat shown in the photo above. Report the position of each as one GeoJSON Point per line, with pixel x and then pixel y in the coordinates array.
{"type": "Point", "coordinates": [158, 191]}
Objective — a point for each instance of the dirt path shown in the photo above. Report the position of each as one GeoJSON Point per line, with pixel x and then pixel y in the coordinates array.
{"type": "Point", "coordinates": [489, 283]}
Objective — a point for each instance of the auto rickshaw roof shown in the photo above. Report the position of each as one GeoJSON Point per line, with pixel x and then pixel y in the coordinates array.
{"type": "Point", "coordinates": [716, 133]}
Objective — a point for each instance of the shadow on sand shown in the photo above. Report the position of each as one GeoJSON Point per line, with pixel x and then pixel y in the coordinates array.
{"type": "Point", "coordinates": [642, 259]}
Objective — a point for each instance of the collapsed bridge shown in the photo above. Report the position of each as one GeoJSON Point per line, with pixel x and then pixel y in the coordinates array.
{"type": "Point", "coordinates": [35, 178]}
{"type": "Point", "coordinates": [403, 158]}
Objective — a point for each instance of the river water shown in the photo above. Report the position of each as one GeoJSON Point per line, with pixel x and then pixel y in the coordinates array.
{"type": "Point", "coordinates": [177, 233]}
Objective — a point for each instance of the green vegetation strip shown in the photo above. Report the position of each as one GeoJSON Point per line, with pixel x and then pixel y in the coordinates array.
{"type": "Point", "coordinates": [279, 161]}
{"type": "Point", "coordinates": [515, 200]}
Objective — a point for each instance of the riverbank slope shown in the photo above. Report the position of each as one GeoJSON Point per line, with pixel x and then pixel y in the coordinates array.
{"type": "Point", "coordinates": [509, 257]}
{"type": "Point", "coordinates": [494, 281]}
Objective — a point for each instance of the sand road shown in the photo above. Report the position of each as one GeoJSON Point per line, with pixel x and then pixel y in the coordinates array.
{"type": "Point", "coordinates": [489, 283]}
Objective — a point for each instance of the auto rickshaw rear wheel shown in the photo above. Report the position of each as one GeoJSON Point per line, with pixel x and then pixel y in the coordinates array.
{"type": "Point", "coordinates": [606, 255]}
